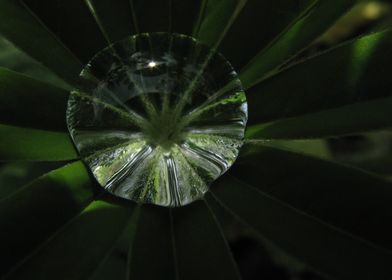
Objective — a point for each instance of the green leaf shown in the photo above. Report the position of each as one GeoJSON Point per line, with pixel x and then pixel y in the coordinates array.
{"type": "Point", "coordinates": [262, 21]}
{"type": "Point", "coordinates": [151, 254]}
{"type": "Point", "coordinates": [14, 175]}
{"type": "Point", "coordinates": [151, 15]}
{"type": "Point", "coordinates": [20, 26]}
{"type": "Point", "coordinates": [350, 119]}
{"type": "Point", "coordinates": [202, 251]}
{"type": "Point", "coordinates": [311, 147]}
{"type": "Point", "coordinates": [16, 60]}
{"type": "Point", "coordinates": [73, 24]}
{"type": "Point", "coordinates": [29, 103]}
{"type": "Point", "coordinates": [184, 15]}
{"type": "Point", "coordinates": [216, 19]}
{"type": "Point", "coordinates": [303, 31]}
{"type": "Point", "coordinates": [180, 243]}
{"type": "Point", "coordinates": [114, 20]}
{"type": "Point", "coordinates": [114, 267]}
{"type": "Point", "coordinates": [324, 247]}
{"type": "Point", "coordinates": [18, 143]}
{"type": "Point", "coordinates": [115, 263]}
{"type": "Point", "coordinates": [354, 72]}
{"type": "Point", "coordinates": [175, 16]}
{"type": "Point", "coordinates": [79, 247]}
{"type": "Point", "coordinates": [33, 213]}
{"type": "Point", "coordinates": [346, 197]}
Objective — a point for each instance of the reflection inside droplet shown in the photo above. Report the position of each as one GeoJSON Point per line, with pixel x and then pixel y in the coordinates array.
{"type": "Point", "coordinates": [152, 134]}
{"type": "Point", "coordinates": [152, 64]}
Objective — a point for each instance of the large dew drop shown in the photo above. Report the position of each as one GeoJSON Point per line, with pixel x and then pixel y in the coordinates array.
{"type": "Point", "coordinates": [157, 118]}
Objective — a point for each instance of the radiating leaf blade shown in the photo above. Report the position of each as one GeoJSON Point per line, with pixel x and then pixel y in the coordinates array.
{"type": "Point", "coordinates": [201, 249]}
{"type": "Point", "coordinates": [22, 28]}
{"type": "Point", "coordinates": [303, 31]}
{"type": "Point", "coordinates": [356, 118]}
{"type": "Point", "coordinates": [354, 72]}
{"type": "Point", "coordinates": [15, 175]}
{"type": "Point", "coordinates": [151, 15]}
{"type": "Point", "coordinates": [81, 245]}
{"type": "Point", "coordinates": [174, 16]}
{"type": "Point", "coordinates": [18, 143]}
{"type": "Point", "coordinates": [114, 20]}
{"type": "Point", "coordinates": [151, 254]}
{"type": "Point", "coordinates": [184, 15]}
{"type": "Point", "coordinates": [343, 196]}
{"type": "Point", "coordinates": [258, 23]}
{"type": "Point", "coordinates": [329, 250]}
{"type": "Point", "coordinates": [33, 213]}
{"type": "Point", "coordinates": [29, 103]}
{"type": "Point", "coordinates": [72, 23]}
{"type": "Point", "coordinates": [216, 20]}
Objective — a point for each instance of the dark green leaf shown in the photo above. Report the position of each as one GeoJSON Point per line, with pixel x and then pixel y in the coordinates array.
{"type": "Point", "coordinates": [258, 23]}
{"type": "Point", "coordinates": [343, 196]}
{"type": "Point", "coordinates": [114, 267]}
{"type": "Point", "coordinates": [16, 60]}
{"type": "Point", "coordinates": [350, 119]}
{"type": "Point", "coordinates": [184, 15]}
{"type": "Point", "coordinates": [18, 143]}
{"type": "Point", "coordinates": [201, 249]}
{"type": "Point", "coordinates": [175, 16]}
{"type": "Point", "coordinates": [151, 254]}
{"type": "Point", "coordinates": [354, 72]}
{"type": "Point", "coordinates": [114, 20]}
{"type": "Point", "coordinates": [21, 27]}
{"type": "Point", "coordinates": [79, 247]}
{"type": "Point", "coordinates": [33, 213]}
{"type": "Point", "coordinates": [324, 247]}
{"type": "Point", "coordinates": [14, 175]}
{"type": "Point", "coordinates": [115, 264]}
{"type": "Point", "coordinates": [303, 31]}
{"type": "Point", "coordinates": [73, 24]}
{"type": "Point", "coordinates": [29, 103]}
{"type": "Point", "coordinates": [312, 147]}
{"type": "Point", "coordinates": [216, 19]}
{"type": "Point", "coordinates": [151, 15]}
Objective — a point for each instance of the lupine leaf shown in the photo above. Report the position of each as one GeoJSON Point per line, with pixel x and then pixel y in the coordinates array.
{"type": "Point", "coordinates": [328, 249]}
{"type": "Point", "coordinates": [216, 20]}
{"type": "Point", "coordinates": [346, 197]}
{"type": "Point", "coordinates": [354, 72]}
{"type": "Point", "coordinates": [303, 31]}
{"type": "Point", "coordinates": [33, 213]}
{"type": "Point", "coordinates": [29, 103]}
{"type": "Point", "coordinates": [151, 254]}
{"type": "Point", "coordinates": [356, 118]}
{"type": "Point", "coordinates": [184, 15]}
{"type": "Point", "coordinates": [18, 143]}
{"type": "Point", "coordinates": [14, 59]}
{"type": "Point", "coordinates": [79, 247]}
{"type": "Point", "coordinates": [114, 20]}
{"type": "Point", "coordinates": [20, 26]}
{"type": "Point", "coordinates": [73, 24]}
{"type": "Point", "coordinates": [175, 16]}
{"type": "Point", "coordinates": [201, 249]}
{"type": "Point", "coordinates": [14, 175]}
{"type": "Point", "coordinates": [263, 21]}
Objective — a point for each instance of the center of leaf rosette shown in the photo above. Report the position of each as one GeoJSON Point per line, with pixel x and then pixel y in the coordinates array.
{"type": "Point", "coordinates": [165, 131]}
{"type": "Point", "coordinates": [157, 118]}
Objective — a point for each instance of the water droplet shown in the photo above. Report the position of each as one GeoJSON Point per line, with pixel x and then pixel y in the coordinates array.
{"type": "Point", "coordinates": [157, 118]}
